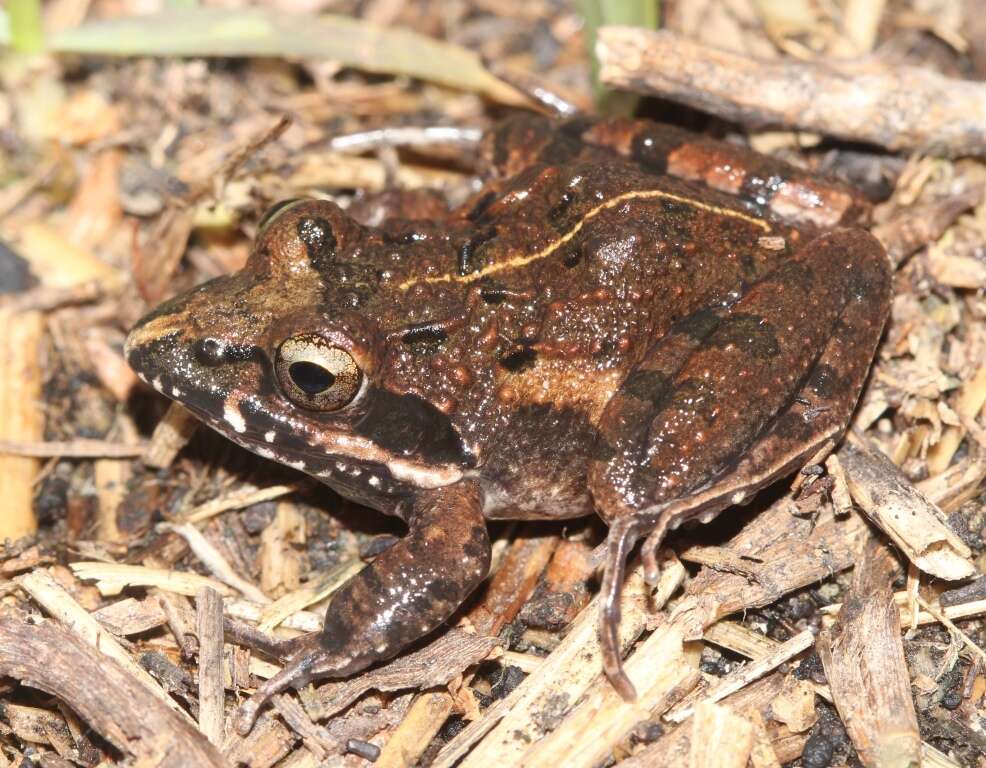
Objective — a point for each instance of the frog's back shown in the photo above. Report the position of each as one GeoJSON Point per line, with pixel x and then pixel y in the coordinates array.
{"type": "Point", "coordinates": [539, 300]}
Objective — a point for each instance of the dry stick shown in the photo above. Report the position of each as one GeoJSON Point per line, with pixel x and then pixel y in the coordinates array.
{"type": "Point", "coordinates": [954, 612]}
{"type": "Point", "coordinates": [316, 738]}
{"type": "Point", "coordinates": [720, 738]}
{"type": "Point", "coordinates": [21, 418]}
{"type": "Point", "coordinates": [316, 589]}
{"type": "Point", "coordinates": [110, 478]}
{"type": "Point", "coordinates": [237, 500]}
{"type": "Point", "coordinates": [436, 664]}
{"type": "Point", "coordinates": [900, 108]}
{"type": "Point", "coordinates": [70, 449]}
{"type": "Point", "coordinates": [511, 724]}
{"type": "Point", "coordinates": [51, 596]}
{"type": "Point", "coordinates": [212, 559]}
{"type": "Point", "coordinates": [52, 659]}
{"type": "Point", "coordinates": [661, 670]}
{"type": "Point", "coordinates": [940, 617]}
{"type": "Point", "coordinates": [676, 746]}
{"type": "Point", "coordinates": [746, 674]}
{"type": "Point", "coordinates": [171, 434]}
{"type": "Point", "coordinates": [113, 578]}
{"type": "Point", "coordinates": [209, 607]}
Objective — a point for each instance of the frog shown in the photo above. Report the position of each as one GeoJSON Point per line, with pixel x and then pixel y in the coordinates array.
{"type": "Point", "coordinates": [627, 320]}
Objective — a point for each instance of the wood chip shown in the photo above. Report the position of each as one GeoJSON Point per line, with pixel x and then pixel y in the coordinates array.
{"type": "Point", "coordinates": [437, 664]}
{"type": "Point", "coordinates": [746, 674]}
{"type": "Point", "coordinates": [916, 525]}
{"type": "Point", "coordinates": [720, 738]}
{"type": "Point", "coordinates": [512, 724]}
{"type": "Point", "coordinates": [661, 671]}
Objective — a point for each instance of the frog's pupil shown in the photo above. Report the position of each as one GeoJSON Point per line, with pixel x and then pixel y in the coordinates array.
{"type": "Point", "coordinates": [310, 378]}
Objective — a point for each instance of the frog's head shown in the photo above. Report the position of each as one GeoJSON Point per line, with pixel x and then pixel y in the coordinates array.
{"type": "Point", "coordinates": [281, 364]}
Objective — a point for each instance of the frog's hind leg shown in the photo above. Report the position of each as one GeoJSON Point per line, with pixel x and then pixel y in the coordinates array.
{"type": "Point", "coordinates": [769, 184]}
{"type": "Point", "coordinates": [404, 594]}
{"type": "Point", "coordinates": [729, 401]}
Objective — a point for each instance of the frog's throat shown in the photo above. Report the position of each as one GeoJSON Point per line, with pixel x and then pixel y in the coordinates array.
{"type": "Point", "coordinates": [640, 194]}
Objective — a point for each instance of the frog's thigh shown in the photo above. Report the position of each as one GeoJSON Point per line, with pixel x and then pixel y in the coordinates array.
{"type": "Point", "coordinates": [408, 590]}
{"type": "Point", "coordinates": [764, 181]}
{"type": "Point", "coordinates": [706, 392]}
{"type": "Point", "coordinates": [725, 404]}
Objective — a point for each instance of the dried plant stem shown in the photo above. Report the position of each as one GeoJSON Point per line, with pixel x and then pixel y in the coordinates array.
{"type": "Point", "coordinates": [20, 417]}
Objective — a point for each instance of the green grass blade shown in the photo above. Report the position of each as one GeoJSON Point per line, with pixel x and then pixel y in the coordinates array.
{"type": "Point", "coordinates": [258, 32]}
{"type": "Point", "coordinates": [4, 27]}
{"type": "Point", "coordinates": [26, 33]}
{"type": "Point", "coordinates": [598, 13]}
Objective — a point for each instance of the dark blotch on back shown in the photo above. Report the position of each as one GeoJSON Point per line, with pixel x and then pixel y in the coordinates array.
{"type": "Point", "coordinates": [557, 213]}
{"type": "Point", "coordinates": [698, 325]}
{"type": "Point", "coordinates": [407, 237]}
{"type": "Point", "coordinates": [319, 240]}
{"type": "Point", "coordinates": [481, 206]}
{"type": "Point", "coordinates": [652, 386]}
{"type": "Point", "coordinates": [825, 381]}
{"type": "Point", "coordinates": [494, 294]}
{"type": "Point", "coordinates": [650, 150]}
{"type": "Point", "coordinates": [467, 251]}
{"type": "Point", "coordinates": [572, 257]}
{"type": "Point", "coordinates": [427, 333]}
{"type": "Point", "coordinates": [519, 359]}
{"type": "Point", "coordinates": [749, 332]}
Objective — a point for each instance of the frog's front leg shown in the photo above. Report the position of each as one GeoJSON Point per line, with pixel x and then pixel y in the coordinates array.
{"type": "Point", "coordinates": [734, 398]}
{"type": "Point", "coordinates": [408, 591]}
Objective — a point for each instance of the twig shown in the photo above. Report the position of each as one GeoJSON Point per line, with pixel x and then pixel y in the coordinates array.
{"type": "Point", "coordinates": [53, 659]}
{"type": "Point", "coordinates": [748, 673]}
{"type": "Point", "coordinates": [209, 606]}
{"type": "Point", "coordinates": [900, 108]}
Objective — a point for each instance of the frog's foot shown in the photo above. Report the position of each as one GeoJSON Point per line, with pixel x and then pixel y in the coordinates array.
{"type": "Point", "coordinates": [409, 590]}
{"type": "Point", "coordinates": [308, 662]}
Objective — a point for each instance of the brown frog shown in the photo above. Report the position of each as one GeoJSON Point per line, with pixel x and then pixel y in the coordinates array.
{"type": "Point", "coordinates": [630, 320]}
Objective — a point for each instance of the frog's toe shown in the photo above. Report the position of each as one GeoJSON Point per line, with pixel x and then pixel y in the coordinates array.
{"type": "Point", "coordinates": [308, 663]}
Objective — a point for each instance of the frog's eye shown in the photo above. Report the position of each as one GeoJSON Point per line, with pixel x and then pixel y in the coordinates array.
{"type": "Point", "coordinates": [274, 212]}
{"type": "Point", "coordinates": [316, 375]}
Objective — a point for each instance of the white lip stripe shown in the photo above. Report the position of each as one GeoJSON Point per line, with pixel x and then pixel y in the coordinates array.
{"type": "Point", "coordinates": [233, 417]}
